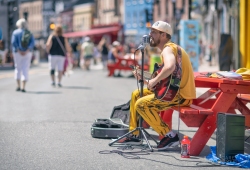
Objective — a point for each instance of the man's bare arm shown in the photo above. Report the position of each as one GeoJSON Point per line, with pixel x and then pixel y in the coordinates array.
{"type": "Point", "coordinates": [169, 66]}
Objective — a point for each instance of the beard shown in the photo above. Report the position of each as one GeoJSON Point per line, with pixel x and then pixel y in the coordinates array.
{"type": "Point", "coordinates": [154, 43]}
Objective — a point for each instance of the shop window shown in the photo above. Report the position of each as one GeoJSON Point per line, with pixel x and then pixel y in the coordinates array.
{"type": "Point", "coordinates": [134, 2]}
{"type": "Point", "coordinates": [141, 1]}
{"type": "Point", "coordinates": [128, 2]}
{"type": "Point", "coordinates": [135, 19]}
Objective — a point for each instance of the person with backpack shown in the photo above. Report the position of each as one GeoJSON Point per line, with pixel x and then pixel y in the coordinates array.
{"type": "Point", "coordinates": [87, 52]}
{"type": "Point", "coordinates": [22, 46]}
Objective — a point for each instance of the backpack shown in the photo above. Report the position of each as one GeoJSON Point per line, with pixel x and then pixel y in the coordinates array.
{"type": "Point", "coordinates": [26, 38]}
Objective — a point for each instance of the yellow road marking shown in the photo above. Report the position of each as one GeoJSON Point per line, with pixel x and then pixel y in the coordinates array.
{"type": "Point", "coordinates": [31, 72]}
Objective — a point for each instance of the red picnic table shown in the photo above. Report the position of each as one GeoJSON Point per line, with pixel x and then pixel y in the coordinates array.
{"type": "Point", "coordinates": [223, 96]}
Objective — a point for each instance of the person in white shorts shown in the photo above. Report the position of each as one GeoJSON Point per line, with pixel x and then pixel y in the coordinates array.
{"type": "Point", "coordinates": [22, 54]}
{"type": "Point", "coordinates": [58, 49]}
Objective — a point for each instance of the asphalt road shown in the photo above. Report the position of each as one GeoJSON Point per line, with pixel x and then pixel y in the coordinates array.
{"type": "Point", "coordinates": [48, 128]}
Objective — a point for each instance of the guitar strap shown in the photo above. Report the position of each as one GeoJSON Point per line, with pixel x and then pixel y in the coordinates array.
{"type": "Point", "coordinates": [176, 75]}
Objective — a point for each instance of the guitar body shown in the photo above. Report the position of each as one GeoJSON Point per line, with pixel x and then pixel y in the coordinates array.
{"type": "Point", "coordinates": [167, 88]}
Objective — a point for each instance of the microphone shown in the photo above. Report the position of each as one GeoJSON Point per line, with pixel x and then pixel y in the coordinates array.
{"type": "Point", "coordinates": [145, 42]}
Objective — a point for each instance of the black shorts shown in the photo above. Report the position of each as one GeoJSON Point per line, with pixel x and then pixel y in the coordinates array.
{"type": "Point", "coordinates": [87, 57]}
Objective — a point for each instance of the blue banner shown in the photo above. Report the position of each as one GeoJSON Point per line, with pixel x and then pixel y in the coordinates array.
{"type": "Point", "coordinates": [189, 40]}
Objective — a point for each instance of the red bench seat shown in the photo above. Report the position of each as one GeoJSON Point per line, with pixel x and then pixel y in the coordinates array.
{"type": "Point", "coordinates": [192, 116]}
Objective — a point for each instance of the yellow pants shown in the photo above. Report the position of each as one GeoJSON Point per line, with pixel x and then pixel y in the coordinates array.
{"type": "Point", "coordinates": [149, 107]}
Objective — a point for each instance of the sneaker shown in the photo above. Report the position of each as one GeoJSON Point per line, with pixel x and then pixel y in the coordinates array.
{"type": "Point", "coordinates": [132, 139]}
{"type": "Point", "coordinates": [168, 142]}
{"type": "Point", "coordinates": [18, 89]}
{"type": "Point", "coordinates": [53, 84]}
{"type": "Point", "coordinates": [59, 85]}
{"type": "Point", "coordinates": [23, 90]}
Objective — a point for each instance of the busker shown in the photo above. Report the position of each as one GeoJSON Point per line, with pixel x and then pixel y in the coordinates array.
{"type": "Point", "coordinates": [175, 61]}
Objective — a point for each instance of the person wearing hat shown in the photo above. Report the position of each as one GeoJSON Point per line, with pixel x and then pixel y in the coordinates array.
{"type": "Point", "coordinates": [87, 52]}
{"type": "Point", "coordinates": [114, 54]}
{"type": "Point", "coordinates": [174, 60]}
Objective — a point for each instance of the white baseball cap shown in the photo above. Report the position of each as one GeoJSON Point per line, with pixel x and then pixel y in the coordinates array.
{"type": "Point", "coordinates": [162, 26]}
{"type": "Point", "coordinates": [86, 39]}
{"type": "Point", "coordinates": [115, 43]}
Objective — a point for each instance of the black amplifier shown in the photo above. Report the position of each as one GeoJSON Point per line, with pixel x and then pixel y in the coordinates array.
{"type": "Point", "coordinates": [230, 136]}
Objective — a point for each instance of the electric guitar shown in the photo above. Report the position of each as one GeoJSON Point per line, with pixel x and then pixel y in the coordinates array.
{"type": "Point", "coordinates": [167, 88]}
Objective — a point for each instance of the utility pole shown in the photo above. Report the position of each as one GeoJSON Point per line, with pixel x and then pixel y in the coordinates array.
{"type": "Point", "coordinates": [189, 8]}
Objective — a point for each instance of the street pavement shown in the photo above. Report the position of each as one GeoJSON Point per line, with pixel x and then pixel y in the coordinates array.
{"type": "Point", "coordinates": [49, 127]}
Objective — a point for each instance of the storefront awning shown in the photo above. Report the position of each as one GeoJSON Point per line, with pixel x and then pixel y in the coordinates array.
{"type": "Point", "coordinates": [96, 31]}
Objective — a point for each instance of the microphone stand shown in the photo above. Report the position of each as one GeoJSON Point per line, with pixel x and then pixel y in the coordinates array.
{"type": "Point", "coordinates": [142, 131]}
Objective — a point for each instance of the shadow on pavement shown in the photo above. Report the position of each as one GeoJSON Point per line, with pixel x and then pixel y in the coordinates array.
{"type": "Point", "coordinates": [76, 87]}
{"type": "Point", "coordinates": [43, 92]}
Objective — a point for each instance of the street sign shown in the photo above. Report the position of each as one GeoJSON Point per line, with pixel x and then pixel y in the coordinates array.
{"type": "Point", "coordinates": [189, 40]}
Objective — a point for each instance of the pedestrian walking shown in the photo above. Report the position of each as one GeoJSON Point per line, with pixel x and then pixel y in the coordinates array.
{"type": "Point", "coordinates": [58, 49]}
{"type": "Point", "coordinates": [96, 54]}
{"type": "Point", "coordinates": [87, 52]}
{"type": "Point", "coordinates": [22, 46]}
{"type": "Point", "coordinates": [76, 55]}
{"type": "Point", "coordinates": [2, 49]}
{"type": "Point", "coordinates": [104, 49]}
{"type": "Point", "coordinates": [2, 55]}
{"type": "Point", "coordinates": [1, 34]}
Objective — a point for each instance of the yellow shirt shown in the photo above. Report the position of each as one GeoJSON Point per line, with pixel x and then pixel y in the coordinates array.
{"type": "Point", "coordinates": [187, 86]}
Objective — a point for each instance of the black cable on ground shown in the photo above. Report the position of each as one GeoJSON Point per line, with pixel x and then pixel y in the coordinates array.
{"type": "Point", "coordinates": [138, 154]}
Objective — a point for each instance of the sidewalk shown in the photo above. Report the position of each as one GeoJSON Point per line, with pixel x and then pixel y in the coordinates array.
{"type": "Point", "coordinates": [204, 67]}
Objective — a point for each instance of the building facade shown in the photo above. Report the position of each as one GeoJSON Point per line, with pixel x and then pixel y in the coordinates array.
{"type": "Point", "coordinates": [109, 14]}
{"type": "Point", "coordinates": [103, 19]}
{"type": "Point", "coordinates": [67, 19]}
{"type": "Point", "coordinates": [138, 14]}
{"type": "Point", "coordinates": [31, 11]}
{"type": "Point", "coordinates": [82, 16]}
{"type": "Point", "coordinates": [172, 11]}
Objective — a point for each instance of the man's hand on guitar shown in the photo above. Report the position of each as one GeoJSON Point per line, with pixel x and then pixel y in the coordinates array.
{"type": "Point", "coordinates": [137, 75]}
{"type": "Point", "coordinates": [136, 72]}
{"type": "Point", "coordinates": [151, 84]}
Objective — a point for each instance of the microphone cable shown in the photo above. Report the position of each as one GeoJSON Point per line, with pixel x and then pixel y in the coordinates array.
{"type": "Point", "coordinates": [138, 154]}
{"type": "Point", "coordinates": [137, 81]}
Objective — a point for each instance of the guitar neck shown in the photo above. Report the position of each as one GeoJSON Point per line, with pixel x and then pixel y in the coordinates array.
{"type": "Point", "coordinates": [146, 75]}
